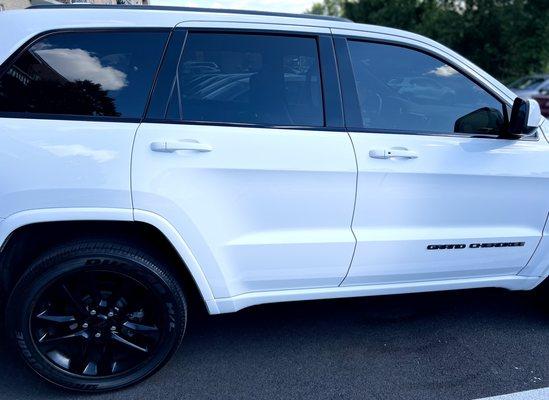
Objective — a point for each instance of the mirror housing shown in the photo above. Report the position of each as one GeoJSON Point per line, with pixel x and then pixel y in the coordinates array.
{"type": "Point", "coordinates": [525, 117]}
{"type": "Point", "coordinates": [485, 120]}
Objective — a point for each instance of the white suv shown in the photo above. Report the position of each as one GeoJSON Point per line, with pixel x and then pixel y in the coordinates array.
{"type": "Point", "coordinates": [149, 155]}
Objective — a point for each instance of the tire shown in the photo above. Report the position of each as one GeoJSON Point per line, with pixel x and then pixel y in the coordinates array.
{"type": "Point", "coordinates": [95, 315]}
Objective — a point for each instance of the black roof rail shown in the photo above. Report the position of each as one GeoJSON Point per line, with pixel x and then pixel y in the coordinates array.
{"type": "Point", "coordinates": [190, 9]}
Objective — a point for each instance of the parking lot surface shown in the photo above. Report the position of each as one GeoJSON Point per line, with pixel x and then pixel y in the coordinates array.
{"type": "Point", "coordinates": [454, 345]}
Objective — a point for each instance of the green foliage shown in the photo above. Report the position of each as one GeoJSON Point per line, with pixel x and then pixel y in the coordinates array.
{"type": "Point", "coordinates": [508, 38]}
{"type": "Point", "coordinates": [327, 7]}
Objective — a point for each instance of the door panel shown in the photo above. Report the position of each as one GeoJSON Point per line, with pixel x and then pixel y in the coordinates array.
{"type": "Point", "coordinates": [440, 194]}
{"type": "Point", "coordinates": [457, 191]}
{"type": "Point", "coordinates": [244, 166]}
{"type": "Point", "coordinates": [64, 164]}
{"type": "Point", "coordinates": [265, 209]}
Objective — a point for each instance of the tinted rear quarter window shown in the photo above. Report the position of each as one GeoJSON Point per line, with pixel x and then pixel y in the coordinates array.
{"type": "Point", "coordinates": [241, 78]}
{"type": "Point", "coordinates": [93, 74]}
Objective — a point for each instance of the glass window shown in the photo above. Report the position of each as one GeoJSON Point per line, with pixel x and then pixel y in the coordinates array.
{"type": "Point", "coordinates": [103, 74]}
{"type": "Point", "coordinates": [400, 89]}
{"type": "Point", "coordinates": [248, 79]}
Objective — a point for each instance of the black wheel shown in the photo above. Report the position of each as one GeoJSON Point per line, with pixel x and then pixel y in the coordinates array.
{"type": "Point", "coordinates": [96, 316]}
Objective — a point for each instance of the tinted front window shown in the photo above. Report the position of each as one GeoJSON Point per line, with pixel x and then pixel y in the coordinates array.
{"type": "Point", "coordinates": [400, 89]}
{"type": "Point", "coordinates": [250, 79]}
{"type": "Point", "coordinates": [84, 74]}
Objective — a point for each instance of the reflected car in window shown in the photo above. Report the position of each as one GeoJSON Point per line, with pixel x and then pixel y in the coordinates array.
{"type": "Point", "coordinates": [543, 99]}
{"type": "Point", "coordinates": [529, 86]}
{"type": "Point", "coordinates": [422, 88]}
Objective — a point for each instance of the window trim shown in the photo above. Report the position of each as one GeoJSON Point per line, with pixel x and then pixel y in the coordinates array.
{"type": "Point", "coordinates": [332, 107]}
{"type": "Point", "coordinates": [14, 57]}
{"type": "Point", "coordinates": [350, 92]}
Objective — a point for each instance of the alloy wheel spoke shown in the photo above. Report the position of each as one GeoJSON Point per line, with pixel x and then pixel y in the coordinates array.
{"type": "Point", "coordinates": [92, 288]}
{"type": "Point", "coordinates": [59, 358]}
{"type": "Point", "coordinates": [76, 304]}
{"type": "Point", "coordinates": [116, 337]}
{"type": "Point", "coordinates": [116, 366]}
{"type": "Point", "coordinates": [104, 326]}
{"type": "Point", "coordinates": [107, 359]}
{"type": "Point", "coordinates": [141, 328]}
{"type": "Point", "coordinates": [46, 339]}
{"type": "Point", "coordinates": [83, 353]}
{"type": "Point", "coordinates": [61, 319]}
{"type": "Point", "coordinates": [92, 359]}
{"type": "Point", "coordinates": [121, 302]}
{"type": "Point", "coordinates": [90, 368]}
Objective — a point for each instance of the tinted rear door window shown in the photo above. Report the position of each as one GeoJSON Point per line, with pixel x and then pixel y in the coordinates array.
{"type": "Point", "coordinates": [97, 74]}
{"type": "Point", "coordinates": [248, 79]}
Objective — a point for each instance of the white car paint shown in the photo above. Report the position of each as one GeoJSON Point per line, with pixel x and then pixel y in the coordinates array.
{"type": "Point", "coordinates": [457, 191]}
{"type": "Point", "coordinates": [266, 209]}
{"type": "Point", "coordinates": [55, 164]}
{"type": "Point", "coordinates": [267, 214]}
{"type": "Point", "coordinates": [167, 229]}
{"type": "Point", "coordinates": [511, 282]}
{"type": "Point", "coordinates": [259, 204]}
{"type": "Point", "coordinates": [534, 115]}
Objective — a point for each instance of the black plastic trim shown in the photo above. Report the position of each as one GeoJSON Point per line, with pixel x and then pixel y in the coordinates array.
{"type": "Point", "coordinates": [331, 92]}
{"type": "Point", "coordinates": [156, 73]}
{"type": "Point", "coordinates": [167, 68]}
{"type": "Point", "coordinates": [190, 9]}
{"type": "Point", "coordinates": [532, 138]}
{"type": "Point", "coordinates": [349, 91]}
{"type": "Point", "coordinates": [66, 117]}
{"type": "Point", "coordinates": [244, 125]}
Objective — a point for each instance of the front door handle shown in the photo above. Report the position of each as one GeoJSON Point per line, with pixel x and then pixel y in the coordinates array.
{"type": "Point", "coordinates": [396, 152]}
{"type": "Point", "coordinates": [187, 144]}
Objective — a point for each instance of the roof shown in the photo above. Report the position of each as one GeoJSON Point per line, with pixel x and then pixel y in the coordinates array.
{"type": "Point", "coordinates": [188, 9]}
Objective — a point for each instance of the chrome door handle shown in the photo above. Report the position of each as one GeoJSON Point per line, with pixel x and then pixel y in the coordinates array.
{"type": "Point", "coordinates": [395, 152]}
{"type": "Point", "coordinates": [187, 144]}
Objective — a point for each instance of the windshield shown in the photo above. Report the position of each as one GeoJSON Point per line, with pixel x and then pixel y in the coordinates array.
{"type": "Point", "coordinates": [528, 82]}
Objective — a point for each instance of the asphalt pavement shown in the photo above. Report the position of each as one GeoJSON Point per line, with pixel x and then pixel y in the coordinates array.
{"type": "Point", "coordinates": [453, 345]}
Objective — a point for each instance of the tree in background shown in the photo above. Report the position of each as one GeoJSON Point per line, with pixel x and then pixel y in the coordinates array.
{"type": "Point", "coordinates": [508, 38]}
{"type": "Point", "coordinates": [327, 7]}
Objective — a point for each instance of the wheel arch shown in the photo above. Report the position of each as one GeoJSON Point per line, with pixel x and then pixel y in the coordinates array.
{"type": "Point", "coordinates": [26, 234]}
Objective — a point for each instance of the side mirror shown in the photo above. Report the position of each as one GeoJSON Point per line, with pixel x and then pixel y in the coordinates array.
{"type": "Point", "coordinates": [482, 121]}
{"type": "Point", "coordinates": [525, 117]}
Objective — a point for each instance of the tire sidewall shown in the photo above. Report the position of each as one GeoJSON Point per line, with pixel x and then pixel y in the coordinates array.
{"type": "Point", "coordinates": [26, 293]}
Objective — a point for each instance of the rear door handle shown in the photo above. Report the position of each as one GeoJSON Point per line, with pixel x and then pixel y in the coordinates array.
{"type": "Point", "coordinates": [393, 153]}
{"type": "Point", "coordinates": [187, 144]}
